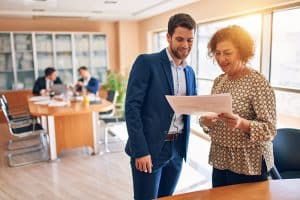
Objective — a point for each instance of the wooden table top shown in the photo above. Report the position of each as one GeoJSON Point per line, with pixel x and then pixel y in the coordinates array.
{"type": "Point", "coordinates": [284, 189]}
{"type": "Point", "coordinates": [75, 107]}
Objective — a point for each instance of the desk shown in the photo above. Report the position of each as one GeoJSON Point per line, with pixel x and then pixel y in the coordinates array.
{"type": "Point", "coordinates": [285, 189]}
{"type": "Point", "coordinates": [70, 126]}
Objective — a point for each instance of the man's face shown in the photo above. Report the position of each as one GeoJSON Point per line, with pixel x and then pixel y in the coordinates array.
{"type": "Point", "coordinates": [181, 42]}
{"type": "Point", "coordinates": [52, 76]}
{"type": "Point", "coordinates": [83, 73]}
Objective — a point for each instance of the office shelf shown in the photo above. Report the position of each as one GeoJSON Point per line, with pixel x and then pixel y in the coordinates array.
{"type": "Point", "coordinates": [25, 56]}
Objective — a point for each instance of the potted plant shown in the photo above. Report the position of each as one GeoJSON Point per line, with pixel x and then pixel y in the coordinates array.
{"type": "Point", "coordinates": [117, 83]}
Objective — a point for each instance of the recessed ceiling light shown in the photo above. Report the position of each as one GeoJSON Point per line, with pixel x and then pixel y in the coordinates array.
{"type": "Point", "coordinates": [38, 10]}
{"type": "Point", "coordinates": [97, 11]}
{"type": "Point", "coordinates": [39, 0]}
{"type": "Point", "coordinates": [110, 2]}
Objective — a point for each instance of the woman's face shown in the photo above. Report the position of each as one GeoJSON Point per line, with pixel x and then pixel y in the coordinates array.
{"type": "Point", "coordinates": [228, 57]}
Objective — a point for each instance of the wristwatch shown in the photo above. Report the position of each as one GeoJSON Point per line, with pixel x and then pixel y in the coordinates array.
{"type": "Point", "coordinates": [205, 128]}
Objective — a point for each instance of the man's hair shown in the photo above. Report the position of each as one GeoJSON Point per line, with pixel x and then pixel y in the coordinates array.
{"type": "Point", "coordinates": [82, 68]}
{"type": "Point", "coordinates": [180, 20]}
{"type": "Point", "coordinates": [49, 71]}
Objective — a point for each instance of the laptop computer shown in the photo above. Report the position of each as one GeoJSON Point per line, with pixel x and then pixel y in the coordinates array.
{"type": "Point", "coordinates": [58, 88]}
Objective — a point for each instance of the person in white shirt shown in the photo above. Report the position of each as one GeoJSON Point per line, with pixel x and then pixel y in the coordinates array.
{"type": "Point", "coordinates": [43, 84]}
{"type": "Point", "coordinates": [87, 81]}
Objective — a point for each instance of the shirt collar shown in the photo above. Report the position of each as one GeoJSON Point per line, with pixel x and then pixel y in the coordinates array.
{"type": "Point", "coordinates": [183, 64]}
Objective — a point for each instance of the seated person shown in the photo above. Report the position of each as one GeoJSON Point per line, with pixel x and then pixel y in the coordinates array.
{"type": "Point", "coordinates": [43, 84]}
{"type": "Point", "coordinates": [90, 83]}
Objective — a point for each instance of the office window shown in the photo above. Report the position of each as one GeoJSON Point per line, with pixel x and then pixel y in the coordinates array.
{"type": "Point", "coordinates": [208, 69]}
{"type": "Point", "coordinates": [159, 41]}
{"type": "Point", "coordinates": [285, 57]}
{"type": "Point", "coordinates": [285, 61]}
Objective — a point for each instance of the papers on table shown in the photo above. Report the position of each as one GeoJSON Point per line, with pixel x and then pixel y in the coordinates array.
{"type": "Point", "coordinates": [217, 103]}
{"type": "Point", "coordinates": [39, 98]}
{"type": "Point", "coordinates": [57, 104]}
{"type": "Point", "coordinates": [51, 103]}
{"type": "Point", "coordinates": [45, 100]}
{"type": "Point", "coordinates": [91, 97]}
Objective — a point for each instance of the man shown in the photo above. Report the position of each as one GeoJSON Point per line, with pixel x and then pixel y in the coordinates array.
{"type": "Point", "coordinates": [90, 83]}
{"type": "Point", "coordinates": [158, 137]}
{"type": "Point", "coordinates": [43, 84]}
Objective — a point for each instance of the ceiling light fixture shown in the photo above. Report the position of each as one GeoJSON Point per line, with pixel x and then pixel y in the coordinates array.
{"type": "Point", "coordinates": [110, 2]}
{"type": "Point", "coordinates": [38, 10]}
{"type": "Point", "coordinates": [97, 11]}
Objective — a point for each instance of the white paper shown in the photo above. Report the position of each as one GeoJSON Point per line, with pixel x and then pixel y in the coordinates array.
{"type": "Point", "coordinates": [51, 103]}
{"type": "Point", "coordinates": [57, 104]}
{"type": "Point", "coordinates": [216, 103]}
{"type": "Point", "coordinates": [39, 98]}
{"type": "Point", "coordinates": [45, 102]}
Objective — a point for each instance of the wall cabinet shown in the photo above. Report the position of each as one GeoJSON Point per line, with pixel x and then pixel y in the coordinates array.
{"type": "Point", "coordinates": [24, 56]}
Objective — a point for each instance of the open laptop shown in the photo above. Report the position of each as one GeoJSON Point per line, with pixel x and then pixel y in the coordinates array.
{"type": "Point", "coordinates": [58, 88]}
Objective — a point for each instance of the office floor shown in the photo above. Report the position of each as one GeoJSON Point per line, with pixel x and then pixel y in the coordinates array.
{"type": "Point", "coordinates": [76, 175]}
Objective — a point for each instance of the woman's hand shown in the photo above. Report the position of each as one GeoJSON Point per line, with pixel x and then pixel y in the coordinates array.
{"type": "Point", "coordinates": [235, 121]}
{"type": "Point", "coordinates": [208, 120]}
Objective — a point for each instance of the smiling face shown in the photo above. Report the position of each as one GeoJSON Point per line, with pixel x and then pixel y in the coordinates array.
{"type": "Point", "coordinates": [180, 43]}
{"type": "Point", "coordinates": [227, 56]}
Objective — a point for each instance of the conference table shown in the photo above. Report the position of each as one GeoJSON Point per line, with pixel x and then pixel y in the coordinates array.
{"type": "Point", "coordinates": [284, 189]}
{"type": "Point", "coordinates": [70, 126]}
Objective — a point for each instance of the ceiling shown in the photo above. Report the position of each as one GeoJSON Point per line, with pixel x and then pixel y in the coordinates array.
{"type": "Point", "coordinates": [92, 9]}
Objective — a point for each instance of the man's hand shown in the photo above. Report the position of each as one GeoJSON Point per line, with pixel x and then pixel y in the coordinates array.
{"type": "Point", "coordinates": [43, 92]}
{"type": "Point", "coordinates": [79, 83]}
{"type": "Point", "coordinates": [144, 164]}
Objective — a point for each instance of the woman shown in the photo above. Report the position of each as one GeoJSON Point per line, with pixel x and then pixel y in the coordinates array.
{"type": "Point", "coordinates": [241, 142]}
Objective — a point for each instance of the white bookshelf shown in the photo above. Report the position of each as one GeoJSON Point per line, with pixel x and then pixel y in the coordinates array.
{"type": "Point", "coordinates": [25, 56]}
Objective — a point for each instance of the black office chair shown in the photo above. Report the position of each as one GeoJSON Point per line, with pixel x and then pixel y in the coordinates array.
{"type": "Point", "coordinates": [111, 97]}
{"type": "Point", "coordinates": [286, 146]}
{"type": "Point", "coordinates": [24, 149]}
{"type": "Point", "coordinates": [16, 114]}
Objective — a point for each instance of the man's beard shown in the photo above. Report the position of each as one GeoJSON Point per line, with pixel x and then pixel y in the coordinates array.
{"type": "Point", "coordinates": [177, 54]}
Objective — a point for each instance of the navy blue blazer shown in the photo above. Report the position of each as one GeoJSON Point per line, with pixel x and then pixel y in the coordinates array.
{"type": "Point", "coordinates": [92, 86]}
{"type": "Point", "coordinates": [148, 114]}
{"type": "Point", "coordinates": [40, 84]}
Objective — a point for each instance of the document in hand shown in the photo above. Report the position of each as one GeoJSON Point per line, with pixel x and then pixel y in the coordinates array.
{"type": "Point", "coordinates": [217, 103]}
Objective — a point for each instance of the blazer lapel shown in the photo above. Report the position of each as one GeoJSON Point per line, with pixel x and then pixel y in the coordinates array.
{"type": "Point", "coordinates": [167, 69]}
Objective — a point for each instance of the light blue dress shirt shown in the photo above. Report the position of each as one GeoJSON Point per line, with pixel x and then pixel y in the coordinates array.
{"type": "Point", "coordinates": [179, 82]}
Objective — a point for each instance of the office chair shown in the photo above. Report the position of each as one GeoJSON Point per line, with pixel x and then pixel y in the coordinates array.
{"type": "Point", "coordinates": [25, 133]}
{"type": "Point", "coordinates": [112, 97]}
{"type": "Point", "coordinates": [16, 114]}
{"type": "Point", "coordinates": [286, 146]}
{"type": "Point", "coordinates": [110, 119]}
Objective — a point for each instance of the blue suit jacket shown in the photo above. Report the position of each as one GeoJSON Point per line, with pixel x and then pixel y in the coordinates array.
{"type": "Point", "coordinates": [92, 86]}
{"type": "Point", "coordinates": [148, 114]}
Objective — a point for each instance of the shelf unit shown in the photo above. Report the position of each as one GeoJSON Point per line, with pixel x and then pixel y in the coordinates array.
{"type": "Point", "coordinates": [6, 66]}
{"type": "Point", "coordinates": [25, 56]}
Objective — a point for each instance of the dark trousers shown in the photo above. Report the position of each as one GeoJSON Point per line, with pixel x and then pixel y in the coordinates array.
{"type": "Point", "coordinates": [227, 177]}
{"type": "Point", "coordinates": [164, 177]}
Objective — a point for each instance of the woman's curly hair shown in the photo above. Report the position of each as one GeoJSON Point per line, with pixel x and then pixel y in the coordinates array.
{"type": "Point", "coordinates": [240, 38]}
